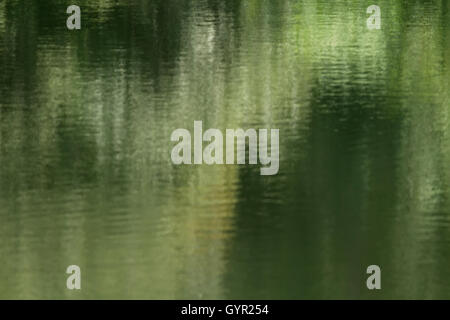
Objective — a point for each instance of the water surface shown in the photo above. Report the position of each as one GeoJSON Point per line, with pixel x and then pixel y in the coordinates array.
{"type": "Point", "coordinates": [85, 170]}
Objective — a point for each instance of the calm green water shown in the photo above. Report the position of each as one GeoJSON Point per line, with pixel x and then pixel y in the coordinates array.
{"type": "Point", "coordinates": [85, 170]}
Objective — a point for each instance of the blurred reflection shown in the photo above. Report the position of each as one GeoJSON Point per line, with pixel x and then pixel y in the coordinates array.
{"type": "Point", "coordinates": [85, 170]}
